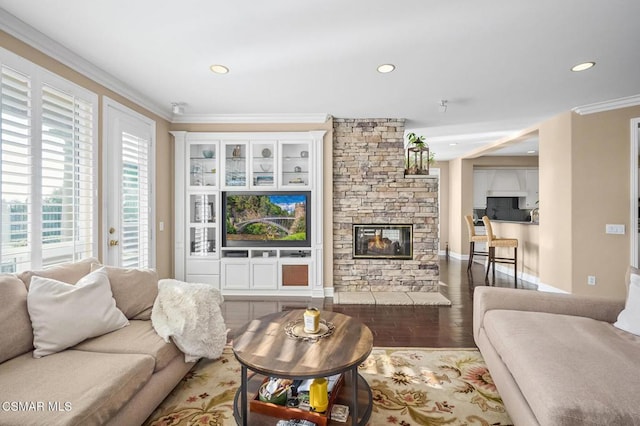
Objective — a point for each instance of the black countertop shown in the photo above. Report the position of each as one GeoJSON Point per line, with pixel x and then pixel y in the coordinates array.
{"type": "Point", "coordinates": [515, 221]}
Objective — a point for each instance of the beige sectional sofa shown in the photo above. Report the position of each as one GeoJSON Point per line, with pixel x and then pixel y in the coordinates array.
{"type": "Point", "coordinates": [117, 378]}
{"type": "Point", "coordinates": [557, 359]}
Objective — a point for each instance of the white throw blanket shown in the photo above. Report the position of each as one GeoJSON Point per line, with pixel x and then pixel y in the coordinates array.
{"type": "Point", "coordinates": [189, 314]}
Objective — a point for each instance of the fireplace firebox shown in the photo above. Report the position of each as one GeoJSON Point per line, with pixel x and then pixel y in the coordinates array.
{"type": "Point", "coordinates": [386, 241]}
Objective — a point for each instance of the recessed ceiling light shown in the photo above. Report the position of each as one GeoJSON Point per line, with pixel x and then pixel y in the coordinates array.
{"type": "Point", "coordinates": [385, 68]}
{"type": "Point", "coordinates": [531, 152]}
{"type": "Point", "coordinates": [583, 66]}
{"type": "Point", "coordinates": [453, 144]}
{"type": "Point", "coordinates": [219, 69]}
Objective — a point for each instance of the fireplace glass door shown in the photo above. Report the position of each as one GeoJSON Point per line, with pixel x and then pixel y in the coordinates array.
{"type": "Point", "coordinates": [383, 241]}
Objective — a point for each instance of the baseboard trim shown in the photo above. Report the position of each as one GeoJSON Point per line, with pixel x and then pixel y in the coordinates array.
{"type": "Point", "coordinates": [454, 255]}
{"type": "Point", "coordinates": [550, 289]}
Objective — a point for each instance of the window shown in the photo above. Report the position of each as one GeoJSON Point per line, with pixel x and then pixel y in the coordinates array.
{"type": "Point", "coordinates": [48, 167]}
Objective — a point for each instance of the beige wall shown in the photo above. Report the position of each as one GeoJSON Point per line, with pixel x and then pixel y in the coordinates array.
{"type": "Point", "coordinates": [555, 164]}
{"type": "Point", "coordinates": [443, 207]}
{"type": "Point", "coordinates": [327, 164]}
{"type": "Point", "coordinates": [164, 207]}
{"type": "Point", "coordinates": [455, 216]}
{"type": "Point", "coordinates": [600, 195]}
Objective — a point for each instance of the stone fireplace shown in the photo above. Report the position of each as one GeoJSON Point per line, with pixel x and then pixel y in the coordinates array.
{"type": "Point", "coordinates": [369, 190]}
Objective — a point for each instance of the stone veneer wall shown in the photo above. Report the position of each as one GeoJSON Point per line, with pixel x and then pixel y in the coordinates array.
{"type": "Point", "coordinates": [369, 186]}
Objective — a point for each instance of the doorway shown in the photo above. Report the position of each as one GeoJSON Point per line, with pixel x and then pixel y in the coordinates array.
{"type": "Point", "coordinates": [635, 185]}
{"type": "Point", "coordinates": [128, 200]}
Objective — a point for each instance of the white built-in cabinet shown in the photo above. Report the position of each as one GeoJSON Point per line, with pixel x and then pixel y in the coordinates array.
{"type": "Point", "coordinates": [480, 188]}
{"type": "Point", "coordinates": [207, 165]}
{"type": "Point", "coordinates": [521, 182]}
{"type": "Point", "coordinates": [531, 177]}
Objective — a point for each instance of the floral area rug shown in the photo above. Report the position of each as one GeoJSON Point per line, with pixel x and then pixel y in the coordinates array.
{"type": "Point", "coordinates": [410, 386]}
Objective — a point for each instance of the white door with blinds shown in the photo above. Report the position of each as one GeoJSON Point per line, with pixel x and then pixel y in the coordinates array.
{"type": "Point", "coordinates": [47, 167]}
{"type": "Point", "coordinates": [127, 192]}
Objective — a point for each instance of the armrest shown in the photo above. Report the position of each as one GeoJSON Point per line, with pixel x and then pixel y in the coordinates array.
{"type": "Point", "coordinates": [488, 298]}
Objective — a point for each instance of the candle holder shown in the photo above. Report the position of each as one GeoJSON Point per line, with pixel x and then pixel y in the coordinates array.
{"type": "Point", "coordinates": [417, 166]}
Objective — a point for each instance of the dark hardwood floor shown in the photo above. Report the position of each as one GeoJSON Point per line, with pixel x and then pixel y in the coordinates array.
{"type": "Point", "coordinates": [397, 326]}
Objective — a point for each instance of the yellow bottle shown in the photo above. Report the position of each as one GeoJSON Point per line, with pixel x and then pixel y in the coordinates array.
{"type": "Point", "coordinates": [318, 396]}
{"type": "Point", "coordinates": [311, 320]}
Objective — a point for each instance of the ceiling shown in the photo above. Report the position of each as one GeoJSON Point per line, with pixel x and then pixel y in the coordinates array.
{"type": "Point", "coordinates": [502, 65]}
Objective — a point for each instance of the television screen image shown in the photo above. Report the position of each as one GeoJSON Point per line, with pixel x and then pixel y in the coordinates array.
{"type": "Point", "coordinates": [273, 219]}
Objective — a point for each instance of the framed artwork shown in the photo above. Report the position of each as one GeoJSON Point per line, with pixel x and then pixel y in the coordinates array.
{"type": "Point", "coordinates": [203, 212]}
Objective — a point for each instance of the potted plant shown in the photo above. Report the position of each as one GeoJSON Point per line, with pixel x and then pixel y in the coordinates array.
{"type": "Point", "coordinates": [415, 140]}
{"type": "Point", "coordinates": [418, 146]}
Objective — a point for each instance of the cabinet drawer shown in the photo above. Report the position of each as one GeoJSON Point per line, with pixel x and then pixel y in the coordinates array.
{"type": "Point", "coordinates": [235, 273]}
{"type": "Point", "coordinates": [203, 267]}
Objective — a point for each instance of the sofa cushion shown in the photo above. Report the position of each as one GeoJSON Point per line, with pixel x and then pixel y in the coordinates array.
{"type": "Point", "coordinates": [17, 336]}
{"type": "Point", "coordinates": [138, 338]}
{"type": "Point", "coordinates": [629, 318]}
{"type": "Point", "coordinates": [133, 289]}
{"type": "Point", "coordinates": [88, 387]}
{"type": "Point", "coordinates": [67, 273]}
{"type": "Point", "coordinates": [571, 370]}
{"type": "Point", "coordinates": [65, 314]}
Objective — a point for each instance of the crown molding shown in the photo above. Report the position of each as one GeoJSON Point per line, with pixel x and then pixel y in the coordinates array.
{"type": "Point", "coordinates": [250, 118]}
{"type": "Point", "coordinates": [34, 38]}
{"type": "Point", "coordinates": [607, 105]}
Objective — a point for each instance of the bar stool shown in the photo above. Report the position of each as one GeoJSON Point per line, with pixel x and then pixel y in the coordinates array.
{"type": "Point", "coordinates": [492, 243]}
{"type": "Point", "coordinates": [473, 239]}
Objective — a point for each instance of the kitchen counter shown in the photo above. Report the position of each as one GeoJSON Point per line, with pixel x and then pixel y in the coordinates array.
{"type": "Point", "coordinates": [515, 221]}
{"type": "Point", "coordinates": [528, 244]}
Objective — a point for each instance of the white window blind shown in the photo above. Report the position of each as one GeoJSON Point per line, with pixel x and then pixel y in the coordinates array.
{"type": "Point", "coordinates": [48, 168]}
{"type": "Point", "coordinates": [16, 165]}
{"type": "Point", "coordinates": [67, 177]}
{"type": "Point", "coordinates": [135, 202]}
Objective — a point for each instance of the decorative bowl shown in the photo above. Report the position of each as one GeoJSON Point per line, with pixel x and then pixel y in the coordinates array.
{"type": "Point", "coordinates": [279, 398]}
{"type": "Point", "coordinates": [265, 167]}
{"type": "Point", "coordinates": [207, 153]}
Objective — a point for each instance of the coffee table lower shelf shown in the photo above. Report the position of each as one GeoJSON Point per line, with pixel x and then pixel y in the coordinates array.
{"type": "Point", "coordinates": [365, 403]}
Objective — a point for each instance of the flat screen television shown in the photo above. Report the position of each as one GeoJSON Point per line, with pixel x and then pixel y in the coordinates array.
{"type": "Point", "coordinates": [272, 219]}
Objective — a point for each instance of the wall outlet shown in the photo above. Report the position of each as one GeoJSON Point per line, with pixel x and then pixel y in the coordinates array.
{"type": "Point", "coordinates": [614, 229]}
{"type": "Point", "coordinates": [591, 280]}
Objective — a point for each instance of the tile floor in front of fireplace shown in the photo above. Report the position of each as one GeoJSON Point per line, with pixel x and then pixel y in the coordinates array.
{"type": "Point", "coordinates": [399, 325]}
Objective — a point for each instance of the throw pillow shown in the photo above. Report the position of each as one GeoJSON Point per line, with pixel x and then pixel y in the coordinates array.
{"type": "Point", "coordinates": [63, 315]}
{"type": "Point", "coordinates": [67, 272]}
{"type": "Point", "coordinates": [629, 318]}
{"type": "Point", "coordinates": [134, 290]}
{"type": "Point", "coordinates": [627, 279]}
{"type": "Point", "coordinates": [16, 336]}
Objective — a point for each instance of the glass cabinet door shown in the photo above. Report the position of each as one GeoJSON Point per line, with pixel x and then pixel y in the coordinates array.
{"type": "Point", "coordinates": [296, 164]}
{"type": "Point", "coordinates": [203, 165]}
{"type": "Point", "coordinates": [263, 164]}
{"type": "Point", "coordinates": [202, 224]}
{"type": "Point", "coordinates": [235, 164]}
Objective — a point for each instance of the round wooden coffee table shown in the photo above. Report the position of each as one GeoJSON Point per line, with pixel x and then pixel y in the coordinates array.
{"type": "Point", "coordinates": [264, 347]}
